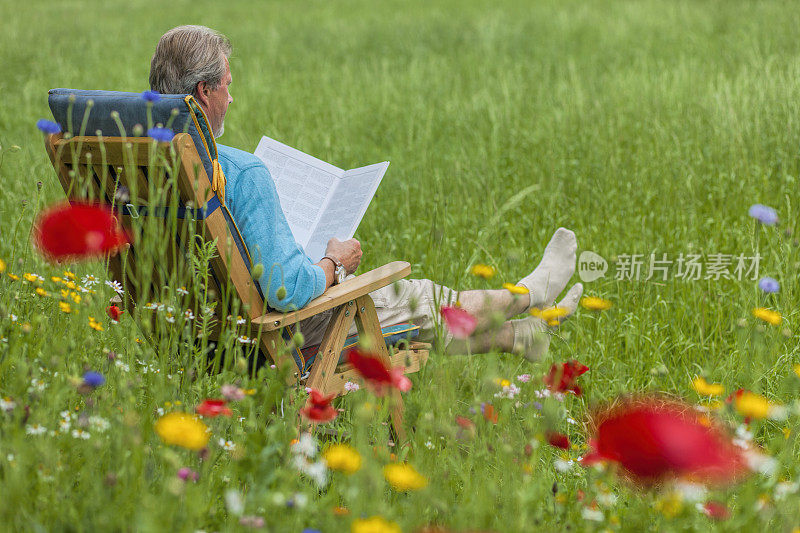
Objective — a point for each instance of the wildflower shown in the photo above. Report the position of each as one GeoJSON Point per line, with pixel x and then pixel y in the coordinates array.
{"type": "Point", "coordinates": [13, 276]}
{"type": "Point", "coordinates": [255, 522]}
{"type": "Point", "coordinates": [767, 315]}
{"type": "Point", "coordinates": [593, 303]}
{"type": "Point", "coordinates": [227, 445]}
{"type": "Point", "coordinates": [80, 434]}
{"type": "Point", "coordinates": [245, 340]}
{"type": "Point", "coordinates": [95, 325]}
{"type": "Point", "coordinates": [232, 393]}
{"type": "Point", "coordinates": [37, 385]}
{"type": "Point", "coordinates": [715, 510]}
{"type": "Point", "coordinates": [703, 388]}
{"type": "Point", "coordinates": [550, 315]}
{"type": "Point", "coordinates": [182, 429]}
{"type": "Point", "coordinates": [483, 271]}
{"type": "Point", "coordinates": [509, 391]}
{"type": "Point", "coordinates": [653, 440]}
{"type": "Point", "coordinates": [99, 423]}
{"type": "Point", "coordinates": [319, 408]}
{"type": "Point", "coordinates": [41, 292]}
{"type": "Point", "coordinates": [524, 378]}
{"type": "Point", "coordinates": [459, 322]}
{"type": "Point", "coordinates": [752, 405]}
{"type": "Point", "coordinates": [188, 315]}
{"type": "Point", "coordinates": [375, 372]}
{"type": "Point", "coordinates": [559, 440]}
{"type": "Point", "coordinates": [342, 457]}
{"type": "Point", "coordinates": [595, 515]}
{"type": "Point", "coordinates": [351, 386]}
{"type": "Point", "coordinates": [93, 379]}
{"type": "Point", "coordinates": [769, 285]}
{"type": "Point", "coordinates": [163, 135]}
{"type": "Point", "coordinates": [305, 446]}
{"type": "Point", "coordinates": [151, 96]}
{"type": "Point", "coordinates": [762, 213]}
{"type": "Point", "coordinates": [374, 524]}
{"type": "Point", "coordinates": [213, 408]}
{"type": "Point", "coordinates": [64, 307]}
{"type": "Point", "coordinates": [182, 291]}
{"type": "Point", "coordinates": [32, 278]}
{"type": "Point", "coordinates": [404, 477]}
{"type": "Point", "coordinates": [7, 405]}
{"type": "Point", "coordinates": [35, 429]}
{"type": "Point", "coordinates": [187, 474]}
{"type": "Point", "coordinates": [89, 280]}
{"type": "Point", "coordinates": [489, 413]}
{"type": "Point", "coordinates": [114, 312]}
{"type": "Point", "coordinates": [561, 378]}
{"type": "Point", "coordinates": [48, 126]}
{"type": "Point", "coordinates": [2, 266]}
{"type": "Point", "coordinates": [515, 289]}
{"type": "Point", "coordinates": [77, 230]}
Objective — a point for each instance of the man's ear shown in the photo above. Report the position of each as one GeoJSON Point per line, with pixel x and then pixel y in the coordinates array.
{"type": "Point", "coordinates": [201, 93]}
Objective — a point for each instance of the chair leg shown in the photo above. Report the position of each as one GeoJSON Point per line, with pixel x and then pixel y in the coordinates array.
{"type": "Point", "coordinates": [331, 347]}
{"type": "Point", "coordinates": [369, 328]}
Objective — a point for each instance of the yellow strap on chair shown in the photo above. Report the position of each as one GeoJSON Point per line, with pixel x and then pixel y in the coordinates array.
{"type": "Point", "coordinates": [218, 181]}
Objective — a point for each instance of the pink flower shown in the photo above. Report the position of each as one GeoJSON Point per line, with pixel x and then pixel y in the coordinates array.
{"type": "Point", "coordinates": [232, 393]}
{"type": "Point", "coordinates": [524, 378]}
{"type": "Point", "coordinates": [187, 474]}
{"type": "Point", "coordinates": [458, 321]}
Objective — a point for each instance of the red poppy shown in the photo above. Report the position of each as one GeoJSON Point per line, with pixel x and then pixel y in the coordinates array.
{"type": "Point", "coordinates": [489, 413]}
{"type": "Point", "coordinates": [559, 440]}
{"type": "Point", "coordinates": [376, 373]}
{"type": "Point", "coordinates": [319, 408]}
{"type": "Point", "coordinates": [114, 312]}
{"type": "Point", "coordinates": [458, 321]}
{"type": "Point", "coordinates": [77, 231]}
{"type": "Point", "coordinates": [561, 378]}
{"type": "Point", "coordinates": [213, 408]}
{"type": "Point", "coordinates": [716, 510]}
{"type": "Point", "coordinates": [653, 440]}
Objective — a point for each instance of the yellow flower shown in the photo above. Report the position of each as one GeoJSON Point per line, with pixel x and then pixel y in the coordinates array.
{"type": "Point", "coordinates": [33, 278]}
{"type": "Point", "coordinates": [41, 292]}
{"type": "Point", "coordinates": [95, 325]}
{"type": "Point", "coordinates": [593, 303]}
{"type": "Point", "coordinates": [56, 279]}
{"type": "Point", "coordinates": [550, 315]}
{"type": "Point", "coordinates": [505, 383]}
{"type": "Point", "coordinates": [2, 266]}
{"type": "Point", "coordinates": [13, 276]}
{"type": "Point", "coordinates": [797, 370]}
{"type": "Point", "coordinates": [705, 388]}
{"type": "Point", "coordinates": [374, 524]}
{"type": "Point", "coordinates": [483, 271]}
{"type": "Point", "coordinates": [71, 285]}
{"type": "Point", "coordinates": [182, 429]}
{"type": "Point", "coordinates": [670, 505]}
{"type": "Point", "coordinates": [403, 476]}
{"type": "Point", "coordinates": [753, 405]}
{"type": "Point", "coordinates": [515, 289]}
{"type": "Point", "coordinates": [767, 315]}
{"type": "Point", "coordinates": [342, 457]}
{"type": "Point", "coordinates": [75, 297]}
{"type": "Point", "coordinates": [68, 274]}
{"type": "Point", "coordinates": [64, 306]}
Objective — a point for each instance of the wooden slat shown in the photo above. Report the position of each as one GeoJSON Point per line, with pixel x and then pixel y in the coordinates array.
{"type": "Point", "coordinates": [331, 348]}
{"type": "Point", "coordinates": [339, 294]}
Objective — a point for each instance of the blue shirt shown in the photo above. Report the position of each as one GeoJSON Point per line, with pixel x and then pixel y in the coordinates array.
{"type": "Point", "coordinates": [251, 196]}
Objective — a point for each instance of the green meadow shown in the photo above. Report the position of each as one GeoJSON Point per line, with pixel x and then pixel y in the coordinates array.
{"type": "Point", "coordinates": [647, 127]}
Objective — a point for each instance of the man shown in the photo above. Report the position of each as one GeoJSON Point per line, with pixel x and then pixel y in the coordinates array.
{"type": "Point", "coordinates": [194, 59]}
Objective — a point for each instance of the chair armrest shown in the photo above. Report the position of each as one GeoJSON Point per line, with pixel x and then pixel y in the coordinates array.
{"type": "Point", "coordinates": [338, 294]}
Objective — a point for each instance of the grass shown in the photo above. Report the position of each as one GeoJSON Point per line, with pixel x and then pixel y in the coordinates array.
{"type": "Point", "coordinates": [648, 127]}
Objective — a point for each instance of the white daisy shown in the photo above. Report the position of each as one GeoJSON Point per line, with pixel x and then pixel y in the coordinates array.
{"type": "Point", "coordinates": [116, 286]}
{"type": "Point", "coordinates": [35, 429]}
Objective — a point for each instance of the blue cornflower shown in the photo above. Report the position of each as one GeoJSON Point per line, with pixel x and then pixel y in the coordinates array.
{"type": "Point", "coordinates": [762, 213]}
{"type": "Point", "coordinates": [310, 530]}
{"type": "Point", "coordinates": [163, 135]}
{"type": "Point", "coordinates": [151, 96]}
{"type": "Point", "coordinates": [769, 285]}
{"type": "Point", "coordinates": [48, 126]}
{"type": "Point", "coordinates": [93, 379]}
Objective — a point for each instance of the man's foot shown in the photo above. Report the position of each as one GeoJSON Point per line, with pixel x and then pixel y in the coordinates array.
{"type": "Point", "coordinates": [531, 335]}
{"type": "Point", "coordinates": [553, 273]}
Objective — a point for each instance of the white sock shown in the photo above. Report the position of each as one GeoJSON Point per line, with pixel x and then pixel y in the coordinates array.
{"type": "Point", "coordinates": [553, 273]}
{"type": "Point", "coordinates": [532, 336]}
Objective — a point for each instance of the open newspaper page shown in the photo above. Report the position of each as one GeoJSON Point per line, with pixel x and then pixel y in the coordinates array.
{"type": "Point", "coordinates": [320, 201]}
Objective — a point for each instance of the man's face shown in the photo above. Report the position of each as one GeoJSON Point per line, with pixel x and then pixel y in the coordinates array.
{"type": "Point", "coordinates": [215, 102]}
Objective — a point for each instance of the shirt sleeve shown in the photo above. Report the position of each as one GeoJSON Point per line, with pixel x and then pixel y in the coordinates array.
{"type": "Point", "coordinates": [269, 239]}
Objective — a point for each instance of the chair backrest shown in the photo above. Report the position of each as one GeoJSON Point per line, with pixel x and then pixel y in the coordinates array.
{"type": "Point", "coordinates": [181, 178]}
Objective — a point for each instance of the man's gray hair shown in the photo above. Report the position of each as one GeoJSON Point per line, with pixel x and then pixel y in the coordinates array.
{"type": "Point", "coordinates": [187, 55]}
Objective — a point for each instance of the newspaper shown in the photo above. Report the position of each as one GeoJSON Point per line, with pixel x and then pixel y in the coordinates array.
{"type": "Point", "coordinates": [320, 201]}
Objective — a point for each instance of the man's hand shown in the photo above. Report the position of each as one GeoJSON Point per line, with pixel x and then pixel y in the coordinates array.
{"type": "Point", "coordinates": [348, 252]}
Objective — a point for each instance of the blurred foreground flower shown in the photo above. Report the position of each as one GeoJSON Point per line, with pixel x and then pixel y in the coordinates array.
{"type": "Point", "coordinates": [769, 285]}
{"type": "Point", "coordinates": [163, 135]}
{"type": "Point", "coordinates": [377, 375]}
{"type": "Point", "coordinates": [754, 405]}
{"type": "Point", "coordinates": [213, 408]}
{"type": "Point", "coordinates": [114, 312]}
{"type": "Point", "coordinates": [762, 213]}
{"type": "Point", "coordinates": [459, 322]}
{"type": "Point", "coordinates": [593, 303]}
{"type": "Point", "coordinates": [232, 393]}
{"type": "Point", "coordinates": [183, 429]}
{"type": "Point", "coordinates": [374, 524]}
{"type": "Point", "coordinates": [404, 477]}
{"type": "Point", "coordinates": [77, 231]}
{"type": "Point", "coordinates": [319, 408]}
{"type": "Point", "coordinates": [342, 457]}
{"type": "Point", "coordinates": [151, 96]}
{"type": "Point", "coordinates": [516, 289]}
{"type": "Point", "coordinates": [559, 440]}
{"type": "Point", "coordinates": [561, 378]}
{"type": "Point", "coordinates": [93, 379]}
{"type": "Point", "coordinates": [550, 315]}
{"type": "Point", "coordinates": [48, 126]}
{"type": "Point", "coordinates": [767, 315]}
{"type": "Point", "coordinates": [483, 271]}
{"type": "Point", "coordinates": [654, 440]}
{"type": "Point", "coordinates": [704, 388]}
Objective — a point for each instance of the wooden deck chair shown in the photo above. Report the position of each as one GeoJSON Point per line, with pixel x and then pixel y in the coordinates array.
{"type": "Point", "coordinates": [97, 166]}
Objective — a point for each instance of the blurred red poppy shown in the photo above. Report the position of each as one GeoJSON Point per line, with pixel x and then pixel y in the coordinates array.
{"type": "Point", "coordinates": [376, 373]}
{"type": "Point", "coordinates": [77, 231]}
{"type": "Point", "coordinates": [213, 408]}
{"type": "Point", "coordinates": [114, 312]}
{"type": "Point", "coordinates": [559, 440]}
{"type": "Point", "coordinates": [458, 321]}
{"type": "Point", "coordinates": [490, 413]}
{"type": "Point", "coordinates": [716, 510]}
{"type": "Point", "coordinates": [319, 408]}
{"type": "Point", "coordinates": [653, 439]}
{"type": "Point", "coordinates": [561, 378]}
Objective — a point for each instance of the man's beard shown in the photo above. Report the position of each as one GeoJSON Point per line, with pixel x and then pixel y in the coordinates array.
{"type": "Point", "coordinates": [220, 131]}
